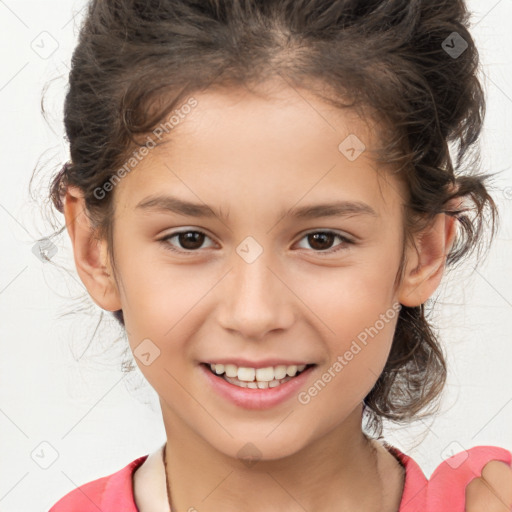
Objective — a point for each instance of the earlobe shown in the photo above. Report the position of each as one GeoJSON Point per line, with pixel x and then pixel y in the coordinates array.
{"type": "Point", "coordinates": [89, 253]}
{"type": "Point", "coordinates": [426, 262]}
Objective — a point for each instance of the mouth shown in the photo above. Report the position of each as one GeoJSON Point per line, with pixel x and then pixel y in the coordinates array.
{"type": "Point", "coordinates": [256, 378]}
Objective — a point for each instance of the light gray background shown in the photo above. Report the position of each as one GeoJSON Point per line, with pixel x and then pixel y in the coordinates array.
{"type": "Point", "coordinates": [95, 418]}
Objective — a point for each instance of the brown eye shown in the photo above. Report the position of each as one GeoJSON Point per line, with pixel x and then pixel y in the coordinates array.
{"type": "Point", "coordinates": [188, 241]}
{"type": "Point", "coordinates": [191, 240]}
{"type": "Point", "coordinates": [321, 241]}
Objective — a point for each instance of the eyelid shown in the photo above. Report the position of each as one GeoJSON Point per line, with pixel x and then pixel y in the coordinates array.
{"type": "Point", "coordinates": [165, 239]}
{"type": "Point", "coordinates": [342, 234]}
{"type": "Point", "coordinates": [346, 240]}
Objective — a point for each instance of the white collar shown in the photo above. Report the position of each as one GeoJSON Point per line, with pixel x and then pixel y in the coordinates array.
{"type": "Point", "coordinates": [149, 489]}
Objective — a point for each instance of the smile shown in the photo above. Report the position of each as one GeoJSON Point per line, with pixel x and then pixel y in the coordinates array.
{"type": "Point", "coordinates": [257, 378]}
{"type": "Point", "coordinates": [245, 386]}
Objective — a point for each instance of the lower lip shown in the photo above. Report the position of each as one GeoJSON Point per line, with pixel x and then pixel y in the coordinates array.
{"type": "Point", "coordinates": [256, 399]}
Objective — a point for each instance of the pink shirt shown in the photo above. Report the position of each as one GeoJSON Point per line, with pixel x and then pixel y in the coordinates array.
{"type": "Point", "coordinates": [443, 492]}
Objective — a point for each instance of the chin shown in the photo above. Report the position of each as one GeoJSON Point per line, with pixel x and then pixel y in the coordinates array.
{"type": "Point", "coordinates": [260, 448]}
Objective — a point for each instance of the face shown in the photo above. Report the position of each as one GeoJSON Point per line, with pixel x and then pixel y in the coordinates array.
{"type": "Point", "coordinates": [254, 283]}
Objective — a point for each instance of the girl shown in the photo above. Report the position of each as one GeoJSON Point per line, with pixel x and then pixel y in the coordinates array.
{"type": "Point", "coordinates": [263, 194]}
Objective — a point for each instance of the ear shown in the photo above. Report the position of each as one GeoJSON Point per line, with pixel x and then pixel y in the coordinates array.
{"type": "Point", "coordinates": [90, 254]}
{"type": "Point", "coordinates": [425, 263]}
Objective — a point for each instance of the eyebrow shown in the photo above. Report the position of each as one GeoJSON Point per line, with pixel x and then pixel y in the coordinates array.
{"type": "Point", "coordinates": [160, 203]}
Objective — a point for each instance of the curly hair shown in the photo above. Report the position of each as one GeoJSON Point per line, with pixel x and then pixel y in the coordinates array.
{"type": "Point", "coordinates": [412, 65]}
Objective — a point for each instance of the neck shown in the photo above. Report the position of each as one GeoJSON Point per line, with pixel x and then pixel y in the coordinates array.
{"type": "Point", "coordinates": [337, 471]}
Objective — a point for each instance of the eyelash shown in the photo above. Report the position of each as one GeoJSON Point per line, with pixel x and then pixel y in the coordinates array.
{"type": "Point", "coordinates": [341, 247]}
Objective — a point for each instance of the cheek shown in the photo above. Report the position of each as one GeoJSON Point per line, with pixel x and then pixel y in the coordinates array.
{"type": "Point", "coordinates": [357, 320]}
{"type": "Point", "coordinates": [157, 295]}
{"type": "Point", "coordinates": [349, 298]}
{"type": "Point", "coordinates": [357, 355]}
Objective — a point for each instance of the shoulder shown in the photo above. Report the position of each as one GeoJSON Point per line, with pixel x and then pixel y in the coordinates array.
{"type": "Point", "coordinates": [448, 482]}
{"type": "Point", "coordinates": [446, 487]}
{"type": "Point", "coordinates": [106, 493]}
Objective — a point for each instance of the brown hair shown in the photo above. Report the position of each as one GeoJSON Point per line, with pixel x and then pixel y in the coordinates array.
{"type": "Point", "coordinates": [411, 63]}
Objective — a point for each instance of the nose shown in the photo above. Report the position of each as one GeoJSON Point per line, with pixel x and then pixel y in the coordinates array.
{"type": "Point", "coordinates": [256, 298]}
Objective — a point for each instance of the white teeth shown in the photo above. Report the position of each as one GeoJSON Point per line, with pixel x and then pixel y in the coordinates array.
{"type": "Point", "coordinates": [255, 385]}
{"type": "Point", "coordinates": [231, 370]}
{"type": "Point", "coordinates": [279, 372]}
{"type": "Point", "coordinates": [246, 374]}
{"type": "Point", "coordinates": [291, 370]}
{"type": "Point", "coordinates": [265, 375]}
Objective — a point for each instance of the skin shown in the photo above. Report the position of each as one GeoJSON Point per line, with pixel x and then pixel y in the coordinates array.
{"type": "Point", "coordinates": [254, 156]}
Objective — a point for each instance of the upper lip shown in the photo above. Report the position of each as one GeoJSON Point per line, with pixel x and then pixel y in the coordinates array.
{"type": "Point", "coordinates": [264, 363]}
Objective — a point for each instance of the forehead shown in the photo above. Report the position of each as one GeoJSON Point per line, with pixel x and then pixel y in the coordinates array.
{"type": "Point", "coordinates": [277, 137]}
{"type": "Point", "coordinates": [271, 115]}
